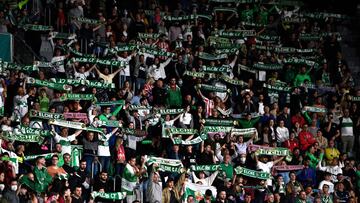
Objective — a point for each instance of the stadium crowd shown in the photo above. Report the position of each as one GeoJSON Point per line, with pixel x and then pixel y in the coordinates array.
{"type": "Point", "coordinates": [225, 101]}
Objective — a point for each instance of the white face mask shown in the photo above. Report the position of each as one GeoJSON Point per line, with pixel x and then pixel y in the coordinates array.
{"type": "Point", "coordinates": [2, 186]}
{"type": "Point", "coordinates": [14, 187]}
{"type": "Point", "coordinates": [243, 159]}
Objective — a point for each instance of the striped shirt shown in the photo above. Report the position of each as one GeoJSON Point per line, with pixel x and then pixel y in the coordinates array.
{"type": "Point", "coordinates": [347, 127]}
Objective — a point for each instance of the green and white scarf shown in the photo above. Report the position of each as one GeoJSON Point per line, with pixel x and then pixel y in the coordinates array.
{"type": "Point", "coordinates": [33, 157]}
{"type": "Point", "coordinates": [148, 35]}
{"type": "Point", "coordinates": [208, 129]}
{"type": "Point", "coordinates": [80, 116]}
{"type": "Point", "coordinates": [288, 167]}
{"type": "Point", "coordinates": [74, 97]}
{"type": "Point", "coordinates": [45, 115]}
{"type": "Point", "coordinates": [226, 51]}
{"type": "Point", "coordinates": [194, 141]}
{"type": "Point", "coordinates": [59, 35]}
{"type": "Point", "coordinates": [354, 98]}
{"type": "Point", "coordinates": [223, 9]}
{"type": "Point", "coordinates": [315, 109]}
{"type": "Point", "coordinates": [157, 52]}
{"type": "Point", "coordinates": [74, 125]}
{"type": "Point", "coordinates": [179, 18]}
{"type": "Point", "coordinates": [108, 123]}
{"type": "Point", "coordinates": [233, 81]}
{"type": "Point", "coordinates": [247, 69]}
{"type": "Point", "coordinates": [273, 151]}
{"type": "Point", "coordinates": [23, 137]}
{"type": "Point", "coordinates": [89, 21]}
{"type": "Point", "coordinates": [111, 103]}
{"type": "Point", "coordinates": [236, 33]}
{"type": "Point", "coordinates": [99, 61]}
{"type": "Point", "coordinates": [47, 84]}
{"type": "Point", "coordinates": [277, 88]}
{"type": "Point", "coordinates": [33, 27]}
{"type": "Point", "coordinates": [269, 38]}
{"type": "Point", "coordinates": [110, 195]}
{"type": "Point", "coordinates": [33, 131]}
{"type": "Point", "coordinates": [87, 83]}
{"type": "Point", "coordinates": [263, 66]}
{"type": "Point", "coordinates": [215, 69]}
{"type": "Point", "coordinates": [10, 66]}
{"type": "Point", "coordinates": [123, 48]}
{"type": "Point", "coordinates": [212, 88]}
{"type": "Point", "coordinates": [247, 132]}
{"type": "Point", "coordinates": [198, 74]}
{"type": "Point", "coordinates": [218, 40]}
{"type": "Point", "coordinates": [138, 107]}
{"type": "Point", "coordinates": [219, 122]}
{"type": "Point", "coordinates": [252, 173]}
{"type": "Point", "coordinates": [169, 111]}
{"type": "Point", "coordinates": [294, 60]}
{"type": "Point", "coordinates": [179, 131]}
{"type": "Point", "coordinates": [210, 57]}
{"type": "Point", "coordinates": [210, 168]}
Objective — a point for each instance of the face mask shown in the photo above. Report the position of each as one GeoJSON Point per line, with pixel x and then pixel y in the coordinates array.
{"type": "Point", "coordinates": [14, 187]}
{"type": "Point", "coordinates": [243, 159]}
{"type": "Point", "coordinates": [2, 186]}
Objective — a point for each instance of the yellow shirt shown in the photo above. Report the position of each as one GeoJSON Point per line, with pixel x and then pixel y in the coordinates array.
{"type": "Point", "coordinates": [331, 153]}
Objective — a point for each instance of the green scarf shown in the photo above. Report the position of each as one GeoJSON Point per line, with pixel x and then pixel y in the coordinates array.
{"type": "Point", "coordinates": [356, 99]}
{"type": "Point", "coordinates": [179, 18]}
{"type": "Point", "coordinates": [169, 165]}
{"type": "Point", "coordinates": [47, 84]}
{"type": "Point", "coordinates": [110, 196]}
{"type": "Point", "coordinates": [252, 173]}
{"type": "Point", "coordinates": [72, 97]}
{"type": "Point", "coordinates": [247, 69]}
{"type": "Point", "coordinates": [108, 123]}
{"type": "Point", "coordinates": [77, 53]}
{"type": "Point", "coordinates": [111, 103]}
{"type": "Point", "coordinates": [45, 115]}
{"type": "Point", "coordinates": [59, 35]}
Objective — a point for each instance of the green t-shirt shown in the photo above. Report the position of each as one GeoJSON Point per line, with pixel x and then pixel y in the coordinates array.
{"type": "Point", "coordinates": [228, 169]}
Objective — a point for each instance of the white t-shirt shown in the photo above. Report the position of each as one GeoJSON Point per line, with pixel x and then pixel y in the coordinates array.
{"type": "Point", "coordinates": [126, 71]}
{"type": "Point", "coordinates": [59, 62]}
{"type": "Point", "coordinates": [1, 99]}
{"type": "Point", "coordinates": [65, 142]}
{"type": "Point", "coordinates": [330, 184]}
{"type": "Point", "coordinates": [186, 119]}
{"type": "Point", "coordinates": [81, 76]}
{"type": "Point", "coordinates": [103, 149]}
{"type": "Point", "coordinates": [266, 168]}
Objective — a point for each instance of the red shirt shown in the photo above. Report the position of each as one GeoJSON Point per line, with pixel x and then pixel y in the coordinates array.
{"type": "Point", "coordinates": [306, 140]}
{"type": "Point", "coordinates": [299, 119]}
{"type": "Point", "coordinates": [291, 144]}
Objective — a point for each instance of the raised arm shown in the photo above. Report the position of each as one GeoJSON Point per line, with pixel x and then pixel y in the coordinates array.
{"type": "Point", "coordinates": [278, 160]}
